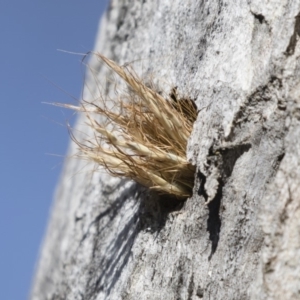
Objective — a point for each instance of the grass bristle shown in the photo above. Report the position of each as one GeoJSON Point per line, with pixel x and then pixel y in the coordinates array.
{"type": "Point", "coordinates": [145, 139]}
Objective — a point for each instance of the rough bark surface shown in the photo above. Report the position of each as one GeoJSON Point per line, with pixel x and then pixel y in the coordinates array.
{"type": "Point", "coordinates": [110, 239]}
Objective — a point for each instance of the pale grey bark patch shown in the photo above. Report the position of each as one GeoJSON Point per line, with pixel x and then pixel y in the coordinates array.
{"type": "Point", "coordinates": [110, 239]}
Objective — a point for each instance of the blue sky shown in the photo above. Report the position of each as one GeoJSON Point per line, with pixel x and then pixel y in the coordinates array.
{"type": "Point", "coordinates": [31, 32]}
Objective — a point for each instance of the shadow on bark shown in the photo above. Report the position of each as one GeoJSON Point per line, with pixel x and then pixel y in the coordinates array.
{"type": "Point", "coordinates": [147, 211]}
{"type": "Point", "coordinates": [106, 266]}
{"type": "Point", "coordinates": [226, 160]}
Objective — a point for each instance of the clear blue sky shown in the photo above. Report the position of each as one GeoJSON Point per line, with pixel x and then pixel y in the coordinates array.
{"type": "Point", "coordinates": [31, 32]}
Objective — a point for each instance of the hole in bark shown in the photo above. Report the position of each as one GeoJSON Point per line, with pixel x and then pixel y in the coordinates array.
{"type": "Point", "coordinates": [200, 292]}
{"type": "Point", "coordinates": [169, 203]}
{"type": "Point", "coordinates": [280, 157]}
{"type": "Point", "coordinates": [154, 210]}
{"type": "Point", "coordinates": [259, 17]}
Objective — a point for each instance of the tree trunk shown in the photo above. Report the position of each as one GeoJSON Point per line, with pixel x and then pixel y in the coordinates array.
{"type": "Point", "coordinates": [108, 238]}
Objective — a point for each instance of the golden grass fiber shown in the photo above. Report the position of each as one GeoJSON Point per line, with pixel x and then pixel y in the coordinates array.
{"type": "Point", "coordinates": [144, 137]}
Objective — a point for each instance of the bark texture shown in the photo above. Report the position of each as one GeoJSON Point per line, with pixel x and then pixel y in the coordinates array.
{"type": "Point", "coordinates": [110, 239]}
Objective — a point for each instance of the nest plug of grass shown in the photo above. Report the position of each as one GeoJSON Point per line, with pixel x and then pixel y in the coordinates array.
{"type": "Point", "coordinates": [144, 137]}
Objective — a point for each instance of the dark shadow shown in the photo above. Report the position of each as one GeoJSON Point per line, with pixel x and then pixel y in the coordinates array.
{"type": "Point", "coordinates": [294, 37]}
{"type": "Point", "coordinates": [150, 214]}
{"type": "Point", "coordinates": [105, 270]}
{"type": "Point", "coordinates": [115, 207]}
{"type": "Point", "coordinates": [118, 258]}
{"type": "Point", "coordinates": [229, 157]}
{"type": "Point", "coordinates": [201, 190]}
{"type": "Point", "coordinates": [214, 220]}
{"type": "Point", "coordinates": [226, 163]}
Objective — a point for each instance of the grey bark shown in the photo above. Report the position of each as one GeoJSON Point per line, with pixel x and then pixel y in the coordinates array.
{"type": "Point", "coordinates": [110, 239]}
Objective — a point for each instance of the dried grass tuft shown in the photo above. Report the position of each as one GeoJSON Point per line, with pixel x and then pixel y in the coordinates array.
{"type": "Point", "coordinates": [145, 139]}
